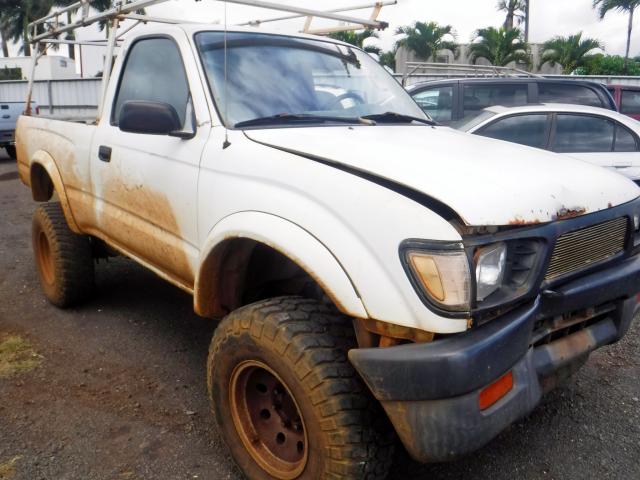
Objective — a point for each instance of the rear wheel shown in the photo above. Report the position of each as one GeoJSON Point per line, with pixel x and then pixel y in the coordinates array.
{"type": "Point", "coordinates": [287, 402]}
{"type": "Point", "coordinates": [64, 260]}
{"type": "Point", "coordinates": [11, 151]}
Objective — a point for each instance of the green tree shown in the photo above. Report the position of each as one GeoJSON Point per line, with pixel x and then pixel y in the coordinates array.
{"type": "Point", "coordinates": [388, 59]}
{"type": "Point", "coordinates": [570, 52]}
{"type": "Point", "coordinates": [16, 16]}
{"type": "Point", "coordinates": [626, 6]}
{"type": "Point", "coordinates": [354, 38]}
{"type": "Point", "coordinates": [499, 46]}
{"type": "Point", "coordinates": [515, 10]}
{"type": "Point", "coordinates": [425, 40]}
{"type": "Point", "coordinates": [600, 64]}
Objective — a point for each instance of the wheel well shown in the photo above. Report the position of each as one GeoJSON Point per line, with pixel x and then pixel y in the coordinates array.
{"type": "Point", "coordinates": [41, 183]}
{"type": "Point", "coordinates": [241, 271]}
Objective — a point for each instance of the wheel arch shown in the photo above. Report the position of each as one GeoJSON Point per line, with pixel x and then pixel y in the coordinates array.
{"type": "Point", "coordinates": [230, 244]}
{"type": "Point", "coordinates": [45, 181]}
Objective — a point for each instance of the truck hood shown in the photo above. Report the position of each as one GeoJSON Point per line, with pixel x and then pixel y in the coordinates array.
{"type": "Point", "coordinates": [486, 182]}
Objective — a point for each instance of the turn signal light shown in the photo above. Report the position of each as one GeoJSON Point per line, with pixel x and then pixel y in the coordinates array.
{"type": "Point", "coordinates": [494, 392]}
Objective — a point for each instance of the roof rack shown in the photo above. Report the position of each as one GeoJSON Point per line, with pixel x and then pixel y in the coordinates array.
{"type": "Point", "coordinates": [463, 70]}
{"type": "Point", "coordinates": [47, 30]}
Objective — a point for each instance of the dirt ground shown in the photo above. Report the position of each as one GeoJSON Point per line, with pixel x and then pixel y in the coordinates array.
{"type": "Point", "coordinates": [118, 388]}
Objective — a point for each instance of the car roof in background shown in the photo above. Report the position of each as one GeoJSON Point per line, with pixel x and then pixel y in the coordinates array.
{"type": "Point", "coordinates": [417, 86]}
{"type": "Point", "coordinates": [564, 108]}
{"type": "Point", "coordinates": [624, 87]}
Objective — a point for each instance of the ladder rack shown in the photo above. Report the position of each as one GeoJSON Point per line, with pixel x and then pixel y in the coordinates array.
{"type": "Point", "coordinates": [47, 30]}
{"type": "Point", "coordinates": [463, 70]}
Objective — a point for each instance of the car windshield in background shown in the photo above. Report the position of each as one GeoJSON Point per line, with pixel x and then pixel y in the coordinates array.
{"type": "Point", "coordinates": [280, 80]}
{"type": "Point", "coordinates": [470, 121]}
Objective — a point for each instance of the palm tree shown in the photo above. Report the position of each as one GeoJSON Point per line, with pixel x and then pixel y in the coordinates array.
{"type": "Point", "coordinates": [425, 40]}
{"type": "Point", "coordinates": [388, 59]}
{"type": "Point", "coordinates": [499, 46]}
{"type": "Point", "coordinates": [354, 38]}
{"type": "Point", "coordinates": [605, 6]}
{"type": "Point", "coordinates": [16, 16]}
{"type": "Point", "coordinates": [570, 52]}
{"type": "Point", "coordinates": [515, 12]}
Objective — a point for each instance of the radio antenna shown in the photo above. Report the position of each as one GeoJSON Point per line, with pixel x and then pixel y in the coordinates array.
{"type": "Point", "coordinates": [226, 142]}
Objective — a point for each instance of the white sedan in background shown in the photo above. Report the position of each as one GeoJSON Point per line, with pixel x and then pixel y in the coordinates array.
{"type": "Point", "coordinates": [596, 135]}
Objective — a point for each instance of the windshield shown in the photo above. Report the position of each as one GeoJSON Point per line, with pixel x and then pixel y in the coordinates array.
{"type": "Point", "coordinates": [280, 76]}
{"type": "Point", "coordinates": [467, 123]}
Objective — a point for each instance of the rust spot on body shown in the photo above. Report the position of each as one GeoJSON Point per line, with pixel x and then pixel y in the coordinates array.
{"type": "Point", "coordinates": [522, 221]}
{"type": "Point", "coordinates": [565, 213]}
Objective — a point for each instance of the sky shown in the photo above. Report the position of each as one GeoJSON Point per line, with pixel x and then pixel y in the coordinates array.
{"type": "Point", "coordinates": [548, 18]}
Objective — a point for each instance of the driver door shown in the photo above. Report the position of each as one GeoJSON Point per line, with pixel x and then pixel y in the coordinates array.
{"type": "Point", "coordinates": [145, 185]}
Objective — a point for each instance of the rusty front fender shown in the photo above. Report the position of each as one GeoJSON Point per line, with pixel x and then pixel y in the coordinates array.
{"type": "Point", "coordinates": [287, 238]}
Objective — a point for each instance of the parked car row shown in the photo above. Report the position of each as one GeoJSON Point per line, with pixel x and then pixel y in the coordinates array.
{"type": "Point", "coordinates": [451, 100]}
{"type": "Point", "coordinates": [573, 117]}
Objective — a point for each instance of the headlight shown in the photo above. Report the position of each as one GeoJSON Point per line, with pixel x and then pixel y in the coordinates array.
{"type": "Point", "coordinates": [444, 277]}
{"type": "Point", "coordinates": [490, 266]}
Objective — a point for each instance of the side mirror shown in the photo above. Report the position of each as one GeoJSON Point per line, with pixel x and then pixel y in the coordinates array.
{"type": "Point", "coordinates": [155, 118]}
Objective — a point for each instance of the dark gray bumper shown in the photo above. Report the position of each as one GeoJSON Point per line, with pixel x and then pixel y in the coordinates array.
{"type": "Point", "coordinates": [431, 391]}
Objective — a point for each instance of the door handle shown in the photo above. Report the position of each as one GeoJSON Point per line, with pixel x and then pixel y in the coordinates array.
{"type": "Point", "coordinates": [622, 164]}
{"type": "Point", "coordinates": [6, 116]}
{"type": "Point", "coordinates": [104, 153]}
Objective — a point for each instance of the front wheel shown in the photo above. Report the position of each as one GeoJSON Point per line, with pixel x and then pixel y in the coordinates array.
{"type": "Point", "coordinates": [286, 399]}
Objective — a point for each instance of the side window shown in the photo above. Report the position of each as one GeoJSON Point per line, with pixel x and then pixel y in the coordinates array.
{"type": "Point", "coordinates": [153, 72]}
{"type": "Point", "coordinates": [573, 94]}
{"type": "Point", "coordinates": [528, 130]}
{"type": "Point", "coordinates": [477, 97]}
{"type": "Point", "coordinates": [625, 140]}
{"type": "Point", "coordinates": [630, 102]}
{"type": "Point", "coordinates": [583, 134]}
{"type": "Point", "coordinates": [437, 103]}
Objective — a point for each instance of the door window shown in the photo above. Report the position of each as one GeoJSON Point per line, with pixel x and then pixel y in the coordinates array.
{"type": "Point", "coordinates": [630, 102]}
{"type": "Point", "coordinates": [583, 134]}
{"type": "Point", "coordinates": [528, 130]}
{"type": "Point", "coordinates": [153, 72]}
{"type": "Point", "coordinates": [625, 140]}
{"type": "Point", "coordinates": [478, 97]}
{"type": "Point", "coordinates": [437, 103]}
{"type": "Point", "coordinates": [573, 94]}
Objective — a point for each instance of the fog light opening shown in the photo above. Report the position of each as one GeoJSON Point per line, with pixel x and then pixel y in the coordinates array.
{"type": "Point", "coordinates": [494, 392]}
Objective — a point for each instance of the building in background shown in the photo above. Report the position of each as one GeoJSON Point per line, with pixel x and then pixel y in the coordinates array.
{"type": "Point", "coordinates": [403, 56]}
{"type": "Point", "coordinates": [50, 67]}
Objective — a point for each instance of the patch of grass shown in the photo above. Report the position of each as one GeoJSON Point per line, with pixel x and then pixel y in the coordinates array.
{"type": "Point", "coordinates": [8, 469]}
{"type": "Point", "coordinates": [16, 356]}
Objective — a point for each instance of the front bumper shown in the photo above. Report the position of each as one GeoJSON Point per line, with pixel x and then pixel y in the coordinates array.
{"type": "Point", "coordinates": [431, 391]}
{"type": "Point", "coordinates": [7, 137]}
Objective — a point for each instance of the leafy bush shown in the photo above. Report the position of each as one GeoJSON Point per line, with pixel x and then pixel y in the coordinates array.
{"type": "Point", "coordinates": [608, 65]}
{"type": "Point", "coordinates": [10, 73]}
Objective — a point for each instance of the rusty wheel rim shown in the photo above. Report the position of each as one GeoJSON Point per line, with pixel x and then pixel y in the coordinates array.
{"type": "Point", "coordinates": [45, 259]}
{"type": "Point", "coordinates": [268, 420]}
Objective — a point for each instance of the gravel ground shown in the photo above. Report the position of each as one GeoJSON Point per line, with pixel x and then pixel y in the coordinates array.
{"type": "Point", "coordinates": [120, 389]}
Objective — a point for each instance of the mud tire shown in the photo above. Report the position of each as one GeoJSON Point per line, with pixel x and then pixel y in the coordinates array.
{"type": "Point", "coordinates": [305, 343]}
{"type": "Point", "coordinates": [64, 260]}
{"type": "Point", "coordinates": [11, 151]}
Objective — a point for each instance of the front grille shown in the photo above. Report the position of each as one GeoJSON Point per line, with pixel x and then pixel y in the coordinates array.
{"type": "Point", "coordinates": [549, 330]}
{"type": "Point", "coordinates": [581, 248]}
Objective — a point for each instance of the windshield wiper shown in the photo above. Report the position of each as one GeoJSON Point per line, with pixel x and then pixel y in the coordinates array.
{"type": "Point", "coordinates": [393, 117]}
{"type": "Point", "coordinates": [284, 118]}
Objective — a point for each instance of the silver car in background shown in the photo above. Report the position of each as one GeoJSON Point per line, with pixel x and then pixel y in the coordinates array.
{"type": "Point", "coordinates": [596, 135]}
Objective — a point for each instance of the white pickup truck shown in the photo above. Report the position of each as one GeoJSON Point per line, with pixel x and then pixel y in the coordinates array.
{"type": "Point", "coordinates": [360, 255]}
{"type": "Point", "coordinates": [9, 113]}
